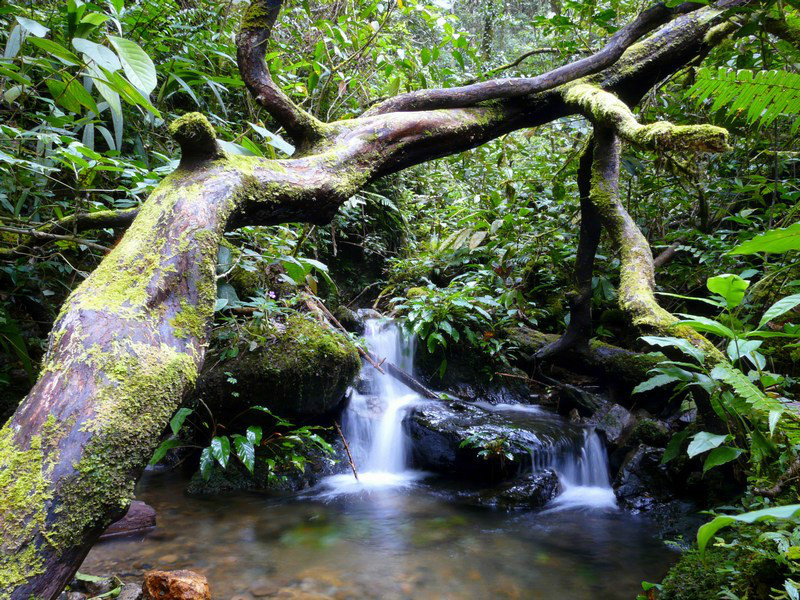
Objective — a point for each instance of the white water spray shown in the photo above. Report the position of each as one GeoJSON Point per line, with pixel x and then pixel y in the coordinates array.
{"type": "Point", "coordinates": [373, 420]}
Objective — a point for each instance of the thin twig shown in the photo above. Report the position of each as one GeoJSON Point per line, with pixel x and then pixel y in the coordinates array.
{"type": "Point", "coordinates": [346, 449]}
{"type": "Point", "coordinates": [53, 236]}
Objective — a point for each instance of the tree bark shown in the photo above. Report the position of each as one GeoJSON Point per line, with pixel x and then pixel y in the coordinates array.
{"type": "Point", "coordinates": [131, 338]}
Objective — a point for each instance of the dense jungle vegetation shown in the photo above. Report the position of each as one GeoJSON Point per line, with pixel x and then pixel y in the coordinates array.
{"type": "Point", "coordinates": [470, 249]}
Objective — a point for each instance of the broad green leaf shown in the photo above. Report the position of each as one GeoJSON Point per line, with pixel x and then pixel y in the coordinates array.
{"type": "Point", "coordinates": [678, 343]}
{"type": "Point", "coordinates": [781, 307]}
{"type": "Point", "coordinates": [703, 442]}
{"type": "Point", "coordinates": [176, 422]}
{"type": "Point", "coordinates": [130, 93]}
{"type": "Point", "coordinates": [704, 324]}
{"type": "Point", "coordinates": [729, 286]}
{"type": "Point", "coordinates": [95, 19]}
{"type": "Point", "coordinates": [206, 463]}
{"type": "Point", "coordinates": [110, 95]}
{"type": "Point", "coordinates": [138, 67]}
{"type": "Point", "coordinates": [254, 434]}
{"type": "Point", "coordinates": [98, 53]}
{"type": "Point", "coordinates": [707, 531]}
{"type": "Point", "coordinates": [673, 448]}
{"type": "Point", "coordinates": [775, 241]}
{"type": "Point", "coordinates": [72, 96]}
{"type": "Point", "coordinates": [56, 50]}
{"type": "Point", "coordinates": [165, 447]}
{"type": "Point", "coordinates": [654, 382]}
{"type": "Point", "coordinates": [221, 449]}
{"type": "Point", "coordinates": [273, 139]}
{"type": "Point", "coordinates": [245, 451]}
{"type": "Point", "coordinates": [741, 348]}
{"type": "Point", "coordinates": [720, 456]}
{"type": "Point", "coordinates": [774, 417]}
{"type": "Point", "coordinates": [32, 27]}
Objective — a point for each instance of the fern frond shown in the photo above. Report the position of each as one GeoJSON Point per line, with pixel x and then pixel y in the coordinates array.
{"type": "Point", "coordinates": [749, 400]}
{"type": "Point", "coordinates": [758, 97]}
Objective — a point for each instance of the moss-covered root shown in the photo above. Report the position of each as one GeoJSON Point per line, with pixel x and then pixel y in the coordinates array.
{"type": "Point", "coordinates": [605, 109]}
{"type": "Point", "coordinates": [637, 278]}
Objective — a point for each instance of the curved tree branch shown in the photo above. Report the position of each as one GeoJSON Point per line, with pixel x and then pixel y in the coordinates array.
{"type": "Point", "coordinates": [637, 274]}
{"type": "Point", "coordinates": [516, 87]}
{"type": "Point", "coordinates": [607, 110]}
{"type": "Point", "coordinates": [251, 43]}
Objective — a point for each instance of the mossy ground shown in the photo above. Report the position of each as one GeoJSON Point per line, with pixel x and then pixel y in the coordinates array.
{"type": "Point", "coordinates": [745, 573]}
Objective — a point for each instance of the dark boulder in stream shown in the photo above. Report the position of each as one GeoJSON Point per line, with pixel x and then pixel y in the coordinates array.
{"type": "Point", "coordinates": [533, 491]}
{"type": "Point", "coordinates": [303, 369]}
{"type": "Point", "coordinates": [643, 482]}
{"type": "Point", "coordinates": [488, 443]}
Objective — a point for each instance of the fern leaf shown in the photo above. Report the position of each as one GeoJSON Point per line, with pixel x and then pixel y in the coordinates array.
{"type": "Point", "coordinates": [759, 97]}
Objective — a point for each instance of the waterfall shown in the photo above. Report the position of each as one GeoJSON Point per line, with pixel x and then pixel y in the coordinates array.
{"type": "Point", "coordinates": [372, 423]}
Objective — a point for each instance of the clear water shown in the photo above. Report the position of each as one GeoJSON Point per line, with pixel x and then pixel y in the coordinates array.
{"type": "Point", "coordinates": [394, 543]}
{"type": "Point", "coordinates": [395, 532]}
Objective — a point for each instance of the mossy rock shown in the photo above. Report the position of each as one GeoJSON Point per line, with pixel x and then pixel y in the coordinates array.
{"type": "Point", "coordinates": [693, 577]}
{"type": "Point", "coordinates": [235, 478]}
{"type": "Point", "coordinates": [747, 574]}
{"type": "Point", "coordinates": [303, 372]}
{"type": "Point", "coordinates": [650, 432]}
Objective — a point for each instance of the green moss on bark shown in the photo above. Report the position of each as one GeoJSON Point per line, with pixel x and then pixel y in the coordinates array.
{"type": "Point", "coordinates": [140, 388]}
{"type": "Point", "coordinates": [24, 481]}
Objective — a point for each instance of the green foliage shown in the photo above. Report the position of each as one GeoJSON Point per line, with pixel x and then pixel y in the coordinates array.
{"type": "Point", "coordinates": [775, 241]}
{"type": "Point", "coordinates": [456, 314]}
{"type": "Point", "coordinates": [283, 448]}
{"type": "Point", "coordinates": [489, 447]}
{"type": "Point", "coordinates": [707, 531]}
{"type": "Point", "coordinates": [759, 97]}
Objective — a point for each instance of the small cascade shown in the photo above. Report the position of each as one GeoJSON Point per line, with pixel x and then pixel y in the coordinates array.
{"type": "Point", "coordinates": [372, 423]}
{"type": "Point", "coordinates": [576, 454]}
{"type": "Point", "coordinates": [373, 420]}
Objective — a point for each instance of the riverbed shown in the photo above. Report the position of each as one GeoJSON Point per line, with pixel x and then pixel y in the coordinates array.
{"type": "Point", "coordinates": [391, 543]}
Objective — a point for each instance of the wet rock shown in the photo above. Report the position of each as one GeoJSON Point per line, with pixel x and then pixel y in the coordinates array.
{"type": "Point", "coordinates": [303, 371]}
{"type": "Point", "coordinates": [91, 585]}
{"type": "Point", "coordinates": [650, 432]}
{"type": "Point", "coordinates": [349, 319]}
{"type": "Point", "coordinates": [615, 422]}
{"type": "Point", "coordinates": [139, 518]}
{"type": "Point", "coordinates": [643, 482]}
{"type": "Point", "coordinates": [130, 591]}
{"type": "Point", "coordinates": [175, 585]}
{"type": "Point", "coordinates": [72, 596]}
{"type": "Point", "coordinates": [261, 590]}
{"type": "Point", "coordinates": [533, 491]}
{"type": "Point", "coordinates": [487, 444]}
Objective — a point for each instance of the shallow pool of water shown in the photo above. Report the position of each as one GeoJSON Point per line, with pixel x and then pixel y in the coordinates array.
{"type": "Point", "coordinates": [395, 542]}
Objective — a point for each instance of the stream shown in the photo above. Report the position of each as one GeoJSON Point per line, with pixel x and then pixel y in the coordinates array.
{"type": "Point", "coordinates": [396, 532]}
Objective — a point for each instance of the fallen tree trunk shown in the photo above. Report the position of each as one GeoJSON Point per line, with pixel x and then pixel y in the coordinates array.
{"type": "Point", "coordinates": [595, 357]}
{"type": "Point", "coordinates": [131, 338]}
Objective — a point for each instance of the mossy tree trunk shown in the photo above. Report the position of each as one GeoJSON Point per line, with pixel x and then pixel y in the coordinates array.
{"type": "Point", "coordinates": [130, 340]}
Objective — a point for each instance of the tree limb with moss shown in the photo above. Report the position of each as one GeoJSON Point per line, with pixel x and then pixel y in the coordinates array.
{"type": "Point", "coordinates": [130, 340]}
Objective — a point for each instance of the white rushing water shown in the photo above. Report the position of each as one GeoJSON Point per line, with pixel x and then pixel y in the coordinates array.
{"type": "Point", "coordinates": [372, 423]}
